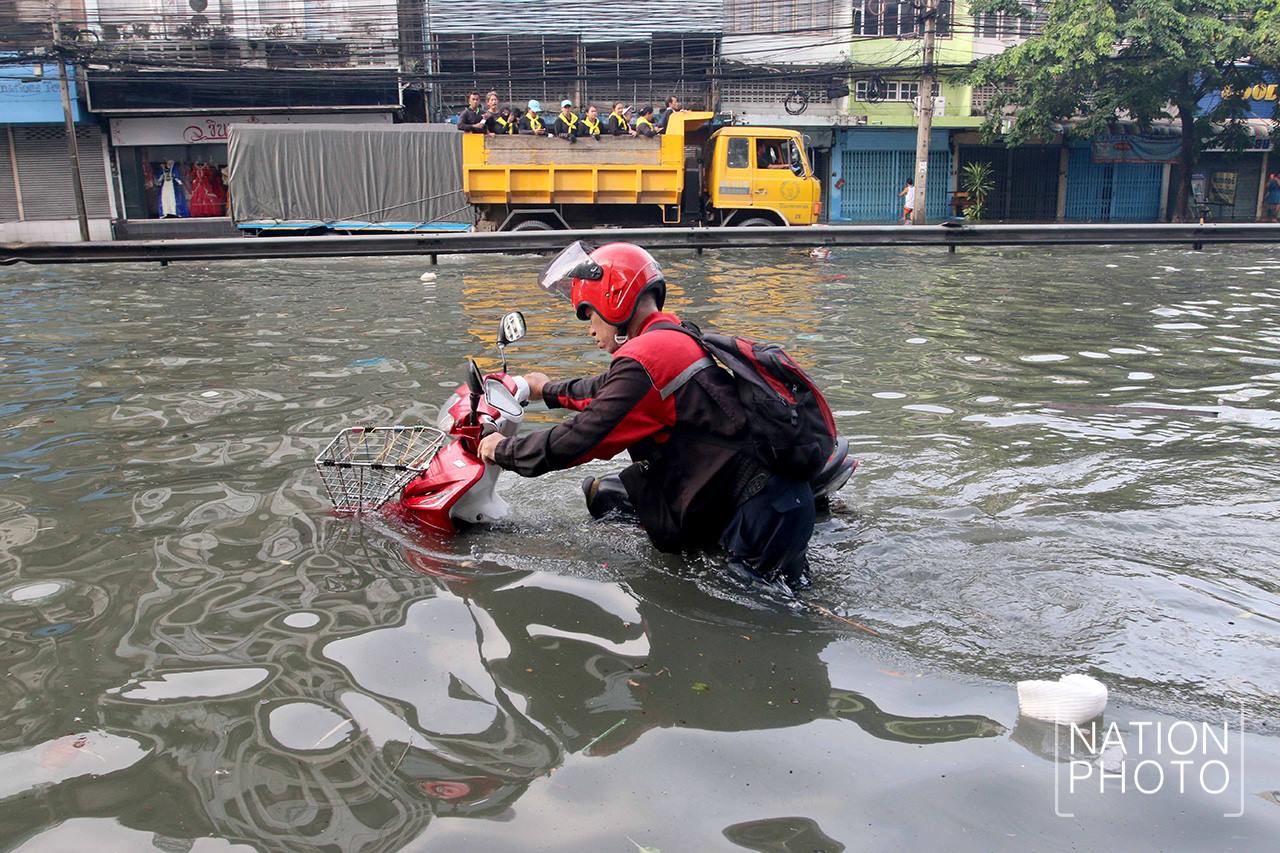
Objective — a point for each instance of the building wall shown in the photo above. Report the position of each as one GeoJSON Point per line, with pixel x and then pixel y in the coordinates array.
{"type": "Point", "coordinates": [266, 33]}
{"type": "Point", "coordinates": [37, 200]}
{"type": "Point", "coordinates": [870, 166]}
{"type": "Point", "coordinates": [880, 54]}
{"type": "Point", "coordinates": [780, 61]}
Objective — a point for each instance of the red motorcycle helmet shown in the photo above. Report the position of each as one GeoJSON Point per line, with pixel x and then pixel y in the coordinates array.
{"type": "Point", "coordinates": [609, 280]}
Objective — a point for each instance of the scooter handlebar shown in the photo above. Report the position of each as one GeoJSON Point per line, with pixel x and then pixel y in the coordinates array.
{"type": "Point", "coordinates": [522, 389]}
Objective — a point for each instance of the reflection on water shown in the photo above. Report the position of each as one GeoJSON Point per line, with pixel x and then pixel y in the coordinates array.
{"type": "Point", "coordinates": [1066, 471]}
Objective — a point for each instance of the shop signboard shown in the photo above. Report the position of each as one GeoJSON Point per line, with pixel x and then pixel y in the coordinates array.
{"type": "Point", "coordinates": [1131, 148]}
{"type": "Point", "coordinates": [214, 129]}
{"type": "Point", "coordinates": [29, 94]}
{"type": "Point", "coordinates": [1222, 189]}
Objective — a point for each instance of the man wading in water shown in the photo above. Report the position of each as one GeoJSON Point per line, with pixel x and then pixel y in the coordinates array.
{"type": "Point", "coordinates": [692, 482]}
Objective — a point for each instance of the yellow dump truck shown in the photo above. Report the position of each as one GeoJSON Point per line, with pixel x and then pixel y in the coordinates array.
{"type": "Point", "coordinates": [746, 176]}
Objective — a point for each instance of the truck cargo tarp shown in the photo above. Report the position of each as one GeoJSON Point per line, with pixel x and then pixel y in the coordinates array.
{"type": "Point", "coordinates": [404, 173]}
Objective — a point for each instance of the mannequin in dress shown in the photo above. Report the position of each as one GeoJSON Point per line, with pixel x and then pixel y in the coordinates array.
{"type": "Point", "coordinates": [173, 201]}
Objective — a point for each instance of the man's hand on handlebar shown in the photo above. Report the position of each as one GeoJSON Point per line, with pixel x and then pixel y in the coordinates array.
{"type": "Point", "coordinates": [536, 381]}
{"type": "Point", "coordinates": [488, 447]}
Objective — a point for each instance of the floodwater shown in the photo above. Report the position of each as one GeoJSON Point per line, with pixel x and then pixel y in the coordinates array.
{"type": "Point", "coordinates": [1069, 464]}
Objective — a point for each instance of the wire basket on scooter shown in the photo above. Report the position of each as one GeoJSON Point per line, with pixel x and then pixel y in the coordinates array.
{"type": "Point", "coordinates": [364, 467]}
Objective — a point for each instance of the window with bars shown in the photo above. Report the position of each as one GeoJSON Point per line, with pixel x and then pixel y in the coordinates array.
{"type": "Point", "coordinates": [778, 16]}
{"type": "Point", "coordinates": [893, 90]}
{"type": "Point", "coordinates": [981, 98]}
{"type": "Point", "coordinates": [549, 68]}
{"type": "Point", "coordinates": [896, 18]}
{"type": "Point", "coordinates": [1002, 26]}
{"type": "Point", "coordinates": [769, 92]}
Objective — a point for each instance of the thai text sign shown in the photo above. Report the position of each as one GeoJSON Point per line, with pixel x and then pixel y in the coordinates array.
{"type": "Point", "coordinates": [1122, 148]}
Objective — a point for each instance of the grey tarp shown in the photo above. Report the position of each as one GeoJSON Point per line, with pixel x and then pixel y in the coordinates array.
{"type": "Point", "coordinates": [403, 173]}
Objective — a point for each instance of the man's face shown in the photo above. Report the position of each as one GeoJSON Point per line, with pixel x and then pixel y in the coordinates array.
{"type": "Point", "coordinates": [603, 333]}
{"type": "Point", "coordinates": [675, 105]}
{"type": "Point", "coordinates": [473, 101]}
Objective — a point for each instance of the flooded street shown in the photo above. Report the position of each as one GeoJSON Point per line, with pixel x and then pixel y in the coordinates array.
{"type": "Point", "coordinates": [1069, 464]}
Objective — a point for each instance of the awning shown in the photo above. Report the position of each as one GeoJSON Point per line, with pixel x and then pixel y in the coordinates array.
{"type": "Point", "coordinates": [1259, 134]}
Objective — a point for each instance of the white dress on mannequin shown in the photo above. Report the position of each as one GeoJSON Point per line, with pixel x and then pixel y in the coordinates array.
{"type": "Point", "coordinates": [168, 191]}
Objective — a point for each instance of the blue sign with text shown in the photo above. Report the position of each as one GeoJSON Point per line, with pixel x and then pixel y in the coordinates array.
{"type": "Point", "coordinates": [29, 95]}
{"type": "Point", "coordinates": [1259, 94]}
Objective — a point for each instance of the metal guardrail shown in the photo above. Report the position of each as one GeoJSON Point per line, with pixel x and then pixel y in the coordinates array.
{"type": "Point", "coordinates": [445, 243]}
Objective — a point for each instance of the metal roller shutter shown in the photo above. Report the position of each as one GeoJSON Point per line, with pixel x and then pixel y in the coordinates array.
{"type": "Point", "coordinates": [44, 170]}
{"type": "Point", "coordinates": [1024, 181]}
{"type": "Point", "coordinates": [874, 178]}
{"type": "Point", "coordinates": [1111, 192]}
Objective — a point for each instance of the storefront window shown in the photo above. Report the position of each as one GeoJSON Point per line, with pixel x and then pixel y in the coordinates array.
{"type": "Point", "coordinates": [182, 181]}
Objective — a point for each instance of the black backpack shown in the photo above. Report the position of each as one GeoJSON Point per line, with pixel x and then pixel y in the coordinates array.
{"type": "Point", "coordinates": [790, 428]}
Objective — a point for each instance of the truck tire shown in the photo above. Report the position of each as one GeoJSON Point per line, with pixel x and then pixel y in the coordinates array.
{"type": "Point", "coordinates": [533, 225]}
{"type": "Point", "coordinates": [757, 222]}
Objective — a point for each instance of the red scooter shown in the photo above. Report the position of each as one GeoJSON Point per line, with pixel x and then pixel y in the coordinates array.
{"type": "Point", "coordinates": [457, 486]}
{"type": "Point", "coordinates": [435, 472]}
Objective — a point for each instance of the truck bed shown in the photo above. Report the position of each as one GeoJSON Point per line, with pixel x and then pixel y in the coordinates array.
{"type": "Point", "coordinates": [532, 170]}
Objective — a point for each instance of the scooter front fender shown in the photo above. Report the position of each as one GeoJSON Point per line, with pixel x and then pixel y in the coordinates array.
{"type": "Point", "coordinates": [451, 474]}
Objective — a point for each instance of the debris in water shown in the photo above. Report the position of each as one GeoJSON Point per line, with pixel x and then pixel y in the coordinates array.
{"type": "Point", "coordinates": [1073, 698]}
{"type": "Point", "coordinates": [330, 733]}
{"type": "Point", "coordinates": [820, 253]}
{"type": "Point", "coordinates": [396, 766]}
{"type": "Point", "coordinates": [604, 734]}
{"type": "Point", "coordinates": [427, 276]}
{"type": "Point", "coordinates": [825, 612]}
{"type": "Point", "coordinates": [701, 686]}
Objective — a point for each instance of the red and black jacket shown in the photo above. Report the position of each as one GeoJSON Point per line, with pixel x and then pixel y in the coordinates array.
{"type": "Point", "coordinates": [660, 396]}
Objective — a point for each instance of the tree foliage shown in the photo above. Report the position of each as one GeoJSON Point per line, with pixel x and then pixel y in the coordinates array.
{"type": "Point", "coordinates": [1097, 61]}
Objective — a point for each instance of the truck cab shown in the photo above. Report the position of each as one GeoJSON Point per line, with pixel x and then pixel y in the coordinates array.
{"type": "Point", "coordinates": [761, 173]}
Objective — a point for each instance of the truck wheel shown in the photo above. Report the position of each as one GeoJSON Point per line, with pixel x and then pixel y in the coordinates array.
{"type": "Point", "coordinates": [533, 225]}
{"type": "Point", "coordinates": [757, 222]}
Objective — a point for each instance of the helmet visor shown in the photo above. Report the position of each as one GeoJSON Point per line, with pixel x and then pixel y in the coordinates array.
{"type": "Point", "coordinates": [574, 262]}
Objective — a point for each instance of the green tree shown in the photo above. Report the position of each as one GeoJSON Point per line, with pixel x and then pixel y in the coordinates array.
{"type": "Point", "coordinates": [1096, 61]}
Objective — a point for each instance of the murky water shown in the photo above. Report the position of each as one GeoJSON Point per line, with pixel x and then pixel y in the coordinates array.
{"type": "Point", "coordinates": [1069, 464]}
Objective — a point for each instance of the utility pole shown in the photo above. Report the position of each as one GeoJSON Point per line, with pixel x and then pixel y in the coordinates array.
{"type": "Point", "coordinates": [73, 147]}
{"type": "Point", "coordinates": [925, 128]}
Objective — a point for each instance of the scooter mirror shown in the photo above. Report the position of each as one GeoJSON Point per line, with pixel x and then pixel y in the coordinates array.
{"type": "Point", "coordinates": [475, 381]}
{"type": "Point", "coordinates": [511, 329]}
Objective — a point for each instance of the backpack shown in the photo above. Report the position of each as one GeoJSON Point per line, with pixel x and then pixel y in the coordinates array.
{"type": "Point", "coordinates": [790, 428]}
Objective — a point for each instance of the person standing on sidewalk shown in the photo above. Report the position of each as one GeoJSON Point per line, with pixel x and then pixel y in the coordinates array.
{"type": "Point", "coordinates": [1271, 199]}
{"type": "Point", "coordinates": [908, 196]}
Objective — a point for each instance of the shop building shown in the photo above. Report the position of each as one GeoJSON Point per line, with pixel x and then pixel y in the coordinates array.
{"type": "Point", "coordinates": [37, 199]}
{"type": "Point", "coordinates": [168, 133]}
{"type": "Point", "coordinates": [1228, 182]}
